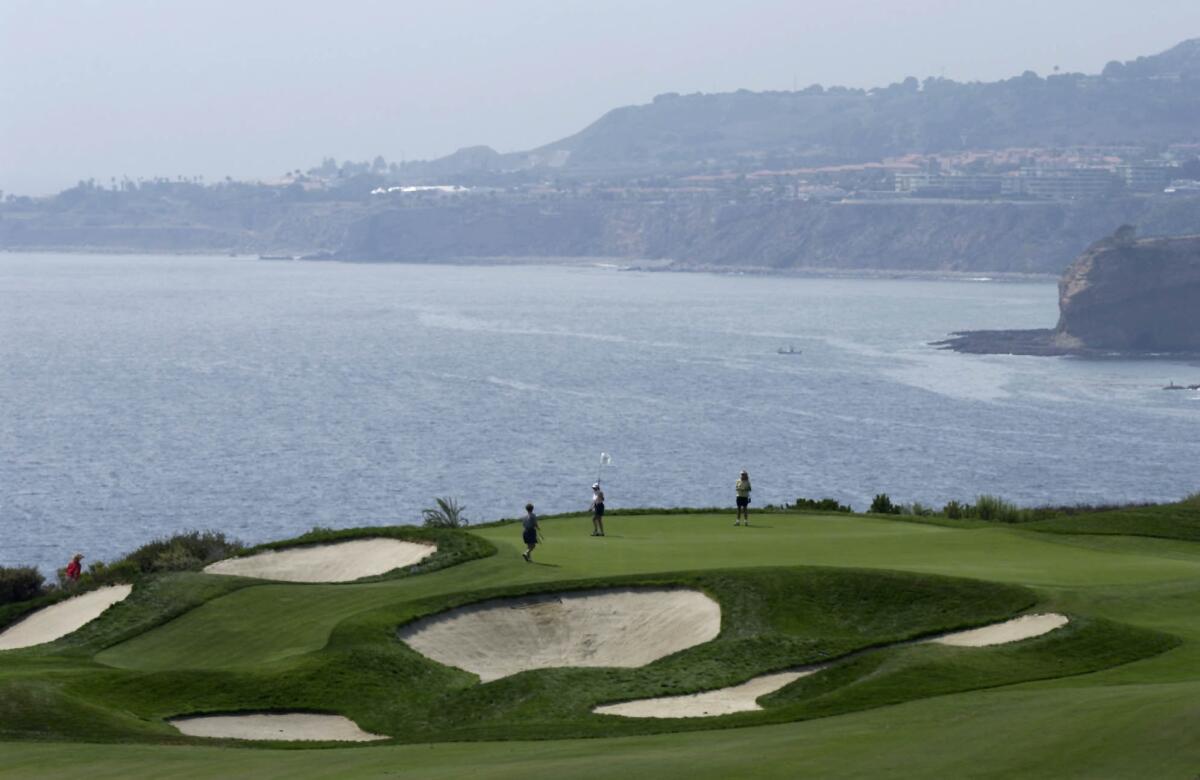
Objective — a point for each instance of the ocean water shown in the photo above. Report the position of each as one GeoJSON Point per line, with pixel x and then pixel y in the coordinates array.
{"type": "Point", "coordinates": [145, 395]}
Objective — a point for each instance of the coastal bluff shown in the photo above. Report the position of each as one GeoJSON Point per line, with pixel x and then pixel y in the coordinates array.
{"type": "Point", "coordinates": [1121, 296]}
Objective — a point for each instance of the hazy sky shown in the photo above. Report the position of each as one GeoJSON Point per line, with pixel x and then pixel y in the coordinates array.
{"type": "Point", "coordinates": [251, 88]}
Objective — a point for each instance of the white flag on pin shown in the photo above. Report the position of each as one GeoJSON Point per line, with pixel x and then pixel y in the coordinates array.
{"type": "Point", "coordinates": [604, 461]}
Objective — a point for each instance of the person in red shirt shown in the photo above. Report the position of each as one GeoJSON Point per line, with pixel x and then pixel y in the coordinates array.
{"type": "Point", "coordinates": [75, 568]}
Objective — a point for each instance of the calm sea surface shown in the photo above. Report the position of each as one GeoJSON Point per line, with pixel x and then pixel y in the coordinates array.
{"type": "Point", "coordinates": [143, 395]}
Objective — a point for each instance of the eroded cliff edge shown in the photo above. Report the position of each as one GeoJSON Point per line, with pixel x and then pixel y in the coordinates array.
{"type": "Point", "coordinates": [1121, 296]}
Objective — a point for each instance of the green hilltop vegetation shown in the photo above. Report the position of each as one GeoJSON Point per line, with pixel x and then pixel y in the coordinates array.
{"type": "Point", "coordinates": [1150, 100]}
{"type": "Point", "coordinates": [1110, 694]}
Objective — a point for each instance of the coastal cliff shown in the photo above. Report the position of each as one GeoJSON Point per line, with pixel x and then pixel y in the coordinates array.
{"type": "Point", "coordinates": [981, 236]}
{"type": "Point", "coordinates": [1133, 296]}
{"type": "Point", "coordinates": [1121, 296]}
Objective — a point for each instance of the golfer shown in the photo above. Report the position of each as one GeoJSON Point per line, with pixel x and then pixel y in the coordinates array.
{"type": "Point", "coordinates": [75, 569]}
{"type": "Point", "coordinates": [597, 510]}
{"type": "Point", "coordinates": [529, 532]}
{"type": "Point", "coordinates": [742, 488]}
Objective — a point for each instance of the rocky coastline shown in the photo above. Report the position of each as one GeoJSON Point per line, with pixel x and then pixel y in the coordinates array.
{"type": "Point", "coordinates": [1122, 297]}
{"type": "Point", "coordinates": [1042, 342]}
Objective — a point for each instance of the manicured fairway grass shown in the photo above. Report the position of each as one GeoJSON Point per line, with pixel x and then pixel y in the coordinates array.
{"type": "Point", "coordinates": [1095, 732]}
{"type": "Point", "coordinates": [270, 622]}
{"type": "Point", "coordinates": [1113, 694]}
{"type": "Point", "coordinates": [1176, 521]}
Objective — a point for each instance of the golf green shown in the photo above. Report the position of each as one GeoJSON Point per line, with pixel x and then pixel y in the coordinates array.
{"type": "Point", "coordinates": [1112, 694]}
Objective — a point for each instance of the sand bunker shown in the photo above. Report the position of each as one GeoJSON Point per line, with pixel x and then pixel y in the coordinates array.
{"type": "Point", "coordinates": [339, 562]}
{"type": "Point", "coordinates": [744, 697]}
{"type": "Point", "coordinates": [723, 701]}
{"type": "Point", "coordinates": [1024, 627]}
{"type": "Point", "coordinates": [285, 726]}
{"type": "Point", "coordinates": [58, 620]}
{"type": "Point", "coordinates": [620, 627]}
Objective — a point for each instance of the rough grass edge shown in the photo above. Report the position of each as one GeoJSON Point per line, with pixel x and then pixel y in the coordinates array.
{"type": "Point", "coordinates": [454, 547]}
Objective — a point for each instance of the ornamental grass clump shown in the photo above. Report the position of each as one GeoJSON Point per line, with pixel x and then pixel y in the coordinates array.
{"type": "Point", "coordinates": [994, 509]}
{"type": "Point", "coordinates": [919, 510]}
{"type": "Point", "coordinates": [955, 510]}
{"type": "Point", "coordinates": [447, 514]}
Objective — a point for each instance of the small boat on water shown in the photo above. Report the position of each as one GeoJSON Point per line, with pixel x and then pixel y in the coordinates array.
{"type": "Point", "coordinates": [789, 351]}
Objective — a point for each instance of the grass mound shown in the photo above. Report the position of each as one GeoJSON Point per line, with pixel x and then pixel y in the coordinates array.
{"type": "Point", "coordinates": [1180, 520]}
{"type": "Point", "coordinates": [189, 644]}
{"type": "Point", "coordinates": [185, 551]}
{"type": "Point", "coordinates": [162, 597]}
{"type": "Point", "coordinates": [894, 675]}
{"type": "Point", "coordinates": [771, 619]}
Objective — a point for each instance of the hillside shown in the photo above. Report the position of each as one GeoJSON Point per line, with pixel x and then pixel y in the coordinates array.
{"type": "Point", "coordinates": [1150, 100]}
{"type": "Point", "coordinates": [811, 179]}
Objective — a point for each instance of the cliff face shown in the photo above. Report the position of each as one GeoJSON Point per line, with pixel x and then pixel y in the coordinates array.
{"type": "Point", "coordinates": [700, 234]}
{"type": "Point", "coordinates": [1119, 296]}
{"type": "Point", "coordinates": [1133, 296]}
{"type": "Point", "coordinates": [1038, 237]}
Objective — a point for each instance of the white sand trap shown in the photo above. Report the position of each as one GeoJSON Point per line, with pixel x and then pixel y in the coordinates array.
{"type": "Point", "coordinates": [58, 620]}
{"type": "Point", "coordinates": [285, 726]}
{"type": "Point", "coordinates": [744, 697]}
{"type": "Point", "coordinates": [723, 701]}
{"type": "Point", "coordinates": [619, 627]}
{"type": "Point", "coordinates": [1024, 627]}
{"type": "Point", "coordinates": [339, 562]}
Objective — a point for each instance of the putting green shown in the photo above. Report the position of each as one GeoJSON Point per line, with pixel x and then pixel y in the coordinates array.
{"type": "Point", "coordinates": [269, 623]}
{"type": "Point", "coordinates": [1111, 694]}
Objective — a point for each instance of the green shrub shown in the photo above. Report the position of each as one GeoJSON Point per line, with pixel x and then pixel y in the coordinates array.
{"type": "Point", "coordinates": [953, 510]}
{"type": "Point", "coordinates": [187, 550]}
{"type": "Point", "coordinates": [821, 505]}
{"type": "Point", "coordinates": [882, 505]}
{"type": "Point", "coordinates": [177, 557]}
{"type": "Point", "coordinates": [20, 583]}
{"type": "Point", "coordinates": [102, 573]}
{"type": "Point", "coordinates": [919, 509]}
{"type": "Point", "coordinates": [447, 514]}
{"type": "Point", "coordinates": [996, 510]}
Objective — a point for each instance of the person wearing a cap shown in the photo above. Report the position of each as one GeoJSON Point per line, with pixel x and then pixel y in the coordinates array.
{"type": "Point", "coordinates": [742, 488]}
{"type": "Point", "coordinates": [597, 510]}
{"type": "Point", "coordinates": [75, 568]}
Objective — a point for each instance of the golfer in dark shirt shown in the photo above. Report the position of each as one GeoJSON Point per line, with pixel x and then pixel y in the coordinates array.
{"type": "Point", "coordinates": [529, 534]}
